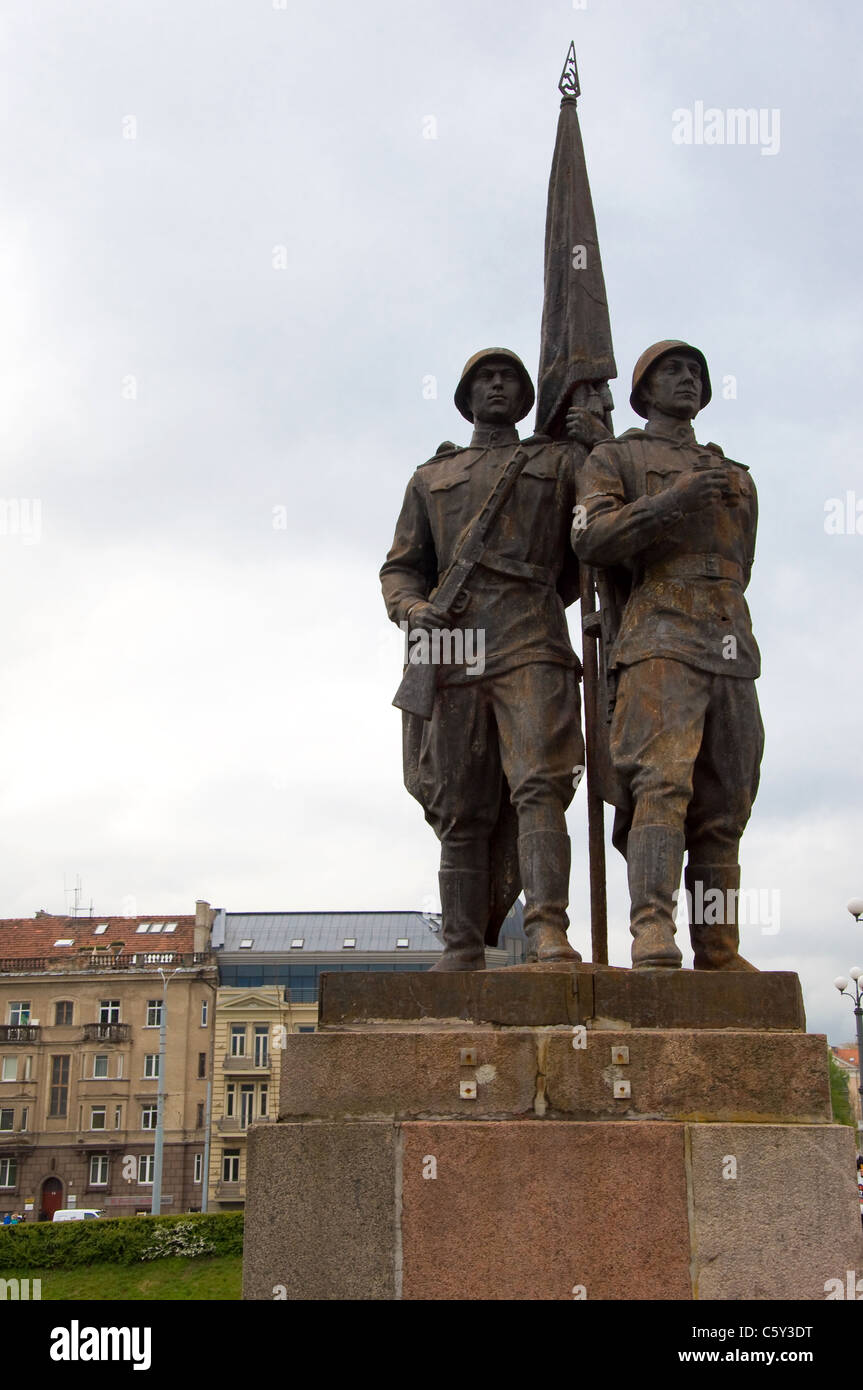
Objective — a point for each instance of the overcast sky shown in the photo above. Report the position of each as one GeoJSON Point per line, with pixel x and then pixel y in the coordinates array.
{"type": "Point", "coordinates": [229, 257]}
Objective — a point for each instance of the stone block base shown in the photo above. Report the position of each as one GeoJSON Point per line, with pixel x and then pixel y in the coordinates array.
{"type": "Point", "coordinates": [513, 1073]}
{"type": "Point", "coordinates": [551, 1209]}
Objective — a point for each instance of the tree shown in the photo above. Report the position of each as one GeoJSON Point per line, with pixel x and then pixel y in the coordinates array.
{"type": "Point", "coordinates": [839, 1097]}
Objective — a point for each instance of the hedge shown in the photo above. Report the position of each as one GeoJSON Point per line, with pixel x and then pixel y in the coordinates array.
{"type": "Point", "coordinates": [120, 1240]}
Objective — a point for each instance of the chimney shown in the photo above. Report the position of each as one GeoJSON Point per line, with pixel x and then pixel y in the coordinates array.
{"type": "Point", "coordinates": [204, 915]}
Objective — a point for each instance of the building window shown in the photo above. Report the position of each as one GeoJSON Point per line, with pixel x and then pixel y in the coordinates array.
{"type": "Point", "coordinates": [199, 1167]}
{"type": "Point", "coordinates": [261, 1050]}
{"type": "Point", "coordinates": [202, 1064]}
{"type": "Point", "coordinates": [146, 1163]}
{"type": "Point", "coordinates": [59, 1099]}
{"type": "Point", "coordinates": [238, 1039]}
{"type": "Point", "coordinates": [149, 1114]}
{"type": "Point", "coordinates": [154, 1013]}
{"type": "Point", "coordinates": [230, 1096]}
{"type": "Point", "coordinates": [97, 1117]}
{"type": "Point", "coordinates": [9, 1069]}
{"type": "Point", "coordinates": [306, 1028]}
{"type": "Point", "coordinates": [204, 1012]}
{"type": "Point", "coordinates": [247, 1105]}
{"type": "Point", "coordinates": [100, 1066]}
{"type": "Point", "coordinates": [262, 1103]}
{"type": "Point", "coordinates": [99, 1170]}
{"type": "Point", "coordinates": [28, 1066]}
{"type": "Point", "coordinates": [109, 1011]}
{"type": "Point", "coordinates": [7, 1118]}
{"type": "Point", "coordinates": [230, 1165]}
{"type": "Point", "coordinates": [63, 1013]}
{"type": "Point", "coordinates": [25, 1116]}
{"type": "Point", "coordinates": [151, 1066]}
{"type": "Point", "coordinates": [119, 1065]}
{"type": "Point", "coordinates": [118, 1117]}
{"type": "Point", "coordinates": [19, 1012]}
{"type": "Point", "coordinates": [8, 1172]}
{"type": "Point", "coordinates": [199, 1121]}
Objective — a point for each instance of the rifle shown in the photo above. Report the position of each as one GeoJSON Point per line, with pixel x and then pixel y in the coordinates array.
{"type": "Point", "coordinates": [416, 694]}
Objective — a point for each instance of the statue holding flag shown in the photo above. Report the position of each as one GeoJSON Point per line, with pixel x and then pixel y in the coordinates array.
{"type": "Point", "coordinates": [483, 542]}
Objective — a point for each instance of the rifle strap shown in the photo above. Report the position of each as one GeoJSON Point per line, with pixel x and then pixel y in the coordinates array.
{"type": "Point", "coordinates": [499, 495]}
{"type": "Point", "coordinates": [517, 569]}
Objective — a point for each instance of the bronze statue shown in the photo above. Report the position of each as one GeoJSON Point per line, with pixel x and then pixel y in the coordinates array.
{"type": "Point", "coordinates": [493, 764]}
{"type": "Point", "coordinates": [671, 525]}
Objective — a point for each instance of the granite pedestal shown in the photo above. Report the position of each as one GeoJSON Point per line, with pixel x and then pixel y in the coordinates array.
{"type": "Point", "coordinates": [553, 1132]}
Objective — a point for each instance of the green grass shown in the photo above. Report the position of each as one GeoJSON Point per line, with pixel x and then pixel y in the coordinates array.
{"type": "Point", "coordinates": [218, 1277]}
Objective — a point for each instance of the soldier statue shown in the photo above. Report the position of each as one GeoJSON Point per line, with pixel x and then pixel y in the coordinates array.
{"type": "Point", "coordinates": [671, 524]}
{"type": "Point", "coordinates": [493, 765]}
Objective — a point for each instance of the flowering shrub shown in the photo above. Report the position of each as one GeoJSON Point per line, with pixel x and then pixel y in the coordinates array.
{"type": "Point", "coordinates": [179, 1240]}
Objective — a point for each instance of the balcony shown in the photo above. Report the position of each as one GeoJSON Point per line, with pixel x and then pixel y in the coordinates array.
{"type": "Point", "coordinates": [102, 961]}
{"type": "Point", "coordinates": [245, 1064]}
{"type": "Point", "coordinates": [233, 1125]}
{"type": "Point", "coordinates": [231, 1191]}
{"type": "Point", "coordinates": [20, 1033]}
{"type": "Point", "coordinates": [107, 1032]}
{"type": "Point", "coordinates": [16, 1141]}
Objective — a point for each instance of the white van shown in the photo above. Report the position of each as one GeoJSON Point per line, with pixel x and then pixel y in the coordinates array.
{"type": "Point", "coordinates": [76, 1214]}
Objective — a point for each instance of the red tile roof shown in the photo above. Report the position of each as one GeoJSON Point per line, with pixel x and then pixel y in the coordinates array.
{"type": "Point", "coordinates": [22, 937]}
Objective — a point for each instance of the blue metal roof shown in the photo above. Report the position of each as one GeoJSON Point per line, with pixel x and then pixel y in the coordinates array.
{"type": "Point", "coordinates": [326, 931]}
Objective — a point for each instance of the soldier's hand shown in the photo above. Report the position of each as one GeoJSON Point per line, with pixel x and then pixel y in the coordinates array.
{"type": "Point", "coordinates": [701, 488]}
{"type": "Point", "coordinates": [585, 427]}
{"type": "Point", "coordinates": [425, 615]}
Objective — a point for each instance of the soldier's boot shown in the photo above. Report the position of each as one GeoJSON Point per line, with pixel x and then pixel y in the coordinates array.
{"type": "Point", "coordinates": [654, 859]}
{"type": "Point", "coordinates": [714, 943]}
{"type": "Point", "coordinates": [544, 860]}
{"type": "Point", "coordinates": [464, 908]}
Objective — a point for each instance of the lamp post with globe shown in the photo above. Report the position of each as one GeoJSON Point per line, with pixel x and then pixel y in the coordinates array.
{"type": "Point", "coordinates": [855, 975]}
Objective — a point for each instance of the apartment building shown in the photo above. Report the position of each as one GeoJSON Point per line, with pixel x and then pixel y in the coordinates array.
{"type": "Point", "coordinates": [81, 1003]}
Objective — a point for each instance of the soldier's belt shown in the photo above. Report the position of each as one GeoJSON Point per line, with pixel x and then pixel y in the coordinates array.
{"type": "Point", "coordinates": [517, 569]}
{"type": "Point", "coordinates": [695, 567]}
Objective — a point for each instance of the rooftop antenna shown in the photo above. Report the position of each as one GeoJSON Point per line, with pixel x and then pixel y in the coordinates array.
{"type": "Point", "coordinates": [77, 909]}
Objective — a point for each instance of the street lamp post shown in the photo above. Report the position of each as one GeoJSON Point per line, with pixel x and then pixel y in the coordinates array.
{"type": "Point", "coordinates": [855, 907]}
{"type": "Point", "coordinates": [156, 1206]}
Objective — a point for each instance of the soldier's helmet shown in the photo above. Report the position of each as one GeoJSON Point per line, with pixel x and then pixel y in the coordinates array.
{"type": "Point", "coordinates": [462, 391]}
{"type": "Point", "coordinates": [654, 354]}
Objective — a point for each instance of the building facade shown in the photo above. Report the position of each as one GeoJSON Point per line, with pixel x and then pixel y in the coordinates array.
{"type": "Point", "coordinates": [81, 1003]}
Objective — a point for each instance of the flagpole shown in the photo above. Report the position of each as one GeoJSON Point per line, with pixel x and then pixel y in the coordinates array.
{"type": "Point", "coordinates": [576, 352]}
